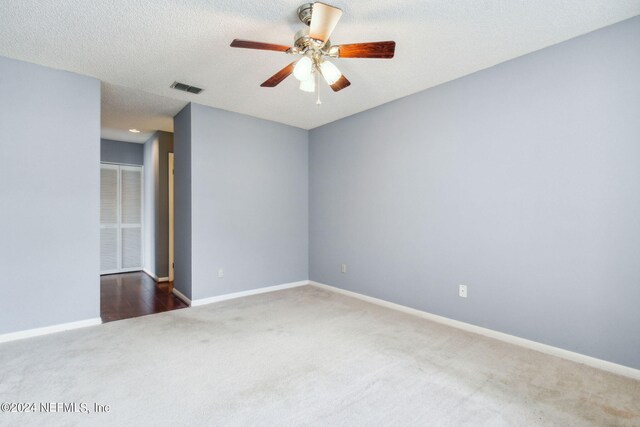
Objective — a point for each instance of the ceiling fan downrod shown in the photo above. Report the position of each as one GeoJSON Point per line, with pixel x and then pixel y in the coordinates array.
{"type": "Point", "coordinates": [304, 13]}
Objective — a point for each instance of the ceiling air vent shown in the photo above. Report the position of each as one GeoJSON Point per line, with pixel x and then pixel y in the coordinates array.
{"type": "Point", "coordinates": [186, 88]}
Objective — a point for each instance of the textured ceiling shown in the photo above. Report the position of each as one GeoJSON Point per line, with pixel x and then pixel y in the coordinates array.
{"type": "Point", "coordinates": [148, 44]}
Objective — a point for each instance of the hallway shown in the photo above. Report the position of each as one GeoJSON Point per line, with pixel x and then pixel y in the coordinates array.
{"type": "Point", "coordinates": [127, 295]}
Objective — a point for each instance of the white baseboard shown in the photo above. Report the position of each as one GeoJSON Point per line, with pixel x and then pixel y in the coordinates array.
{"type": "Point", "coordinates": [501, 336]}
{"type": "Point", "coordinates": [225, 297]}
{"type": "Point", "coordinates": [150, 274]}
{"type": "Point", "coordinates": [154, 277]}
{"type": "Point", "coordinates": [12, 336]}
{"type": "Point", "coordinates": [181, 296]}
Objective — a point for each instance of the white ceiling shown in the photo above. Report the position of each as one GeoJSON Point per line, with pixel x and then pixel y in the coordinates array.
{"type": "Point", "coordinates": [123, 109]}
{"type": "Point", "coordinates": [148, 44]}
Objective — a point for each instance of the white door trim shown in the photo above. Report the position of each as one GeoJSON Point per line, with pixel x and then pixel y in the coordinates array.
{"type": "Point", "coordinates": [171, 217]}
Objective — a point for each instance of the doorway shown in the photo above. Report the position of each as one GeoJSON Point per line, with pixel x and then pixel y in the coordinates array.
{"type": "Point", "coordinates": [136, 228]}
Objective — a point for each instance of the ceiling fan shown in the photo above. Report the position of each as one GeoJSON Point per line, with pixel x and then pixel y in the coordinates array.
{"type": "Point", "coordinates": [314, 45]}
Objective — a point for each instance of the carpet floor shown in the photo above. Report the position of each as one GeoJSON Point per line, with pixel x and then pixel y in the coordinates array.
{"type": "Point", "coordinates": [303, 356]}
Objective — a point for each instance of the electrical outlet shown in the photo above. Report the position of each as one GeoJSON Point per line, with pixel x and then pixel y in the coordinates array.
{"type": "Point", "coordinates": [462, 291]}
{"type": "Point", "coordinates": [220, 272]}
{"type": "Point", "coordinates": [343, 269]}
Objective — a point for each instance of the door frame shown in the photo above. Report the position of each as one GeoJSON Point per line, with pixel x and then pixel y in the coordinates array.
{"type": "Point", "coordinates": [171, 217]}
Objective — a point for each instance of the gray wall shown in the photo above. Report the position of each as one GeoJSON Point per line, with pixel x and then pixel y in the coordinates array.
{"type": "Point", "coordinates": [49, 200]}
{"type": "Point", "coordinates": [521, 181]}
{"type": "Point", "coordinates": [249, 201]}
{"type": "Point", "coordinates": [127, 153]}
{"type": "Point", "coordinates": [156, 203]}
{"type": "Point", "coordinates": [182, 200]}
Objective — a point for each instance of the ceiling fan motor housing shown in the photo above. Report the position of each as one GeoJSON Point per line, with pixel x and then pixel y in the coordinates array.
{"type": "Point", "coordinates": [303, 42]}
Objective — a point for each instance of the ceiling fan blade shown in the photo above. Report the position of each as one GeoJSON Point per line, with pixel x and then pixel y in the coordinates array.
{"type": "Point", "coordinates": [275, 80]}
{"type": "Point", "coordinates": [340, 84]}
{"type": "Point", "coordinates": [258, 45]}
{"type": "Point", "coordinates": [383, 50]}
{"type": "Point", "coordinates": [323, 20]}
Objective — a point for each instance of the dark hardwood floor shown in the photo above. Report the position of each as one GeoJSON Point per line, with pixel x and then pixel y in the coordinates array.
{"type": "Point", "coordinates": [127, 295]}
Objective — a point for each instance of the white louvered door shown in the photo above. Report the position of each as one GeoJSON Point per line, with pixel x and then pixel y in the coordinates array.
{"type": "Point", "coordinates": [109, 201]}
{"type": "Point", "coordinates": [120, 218]}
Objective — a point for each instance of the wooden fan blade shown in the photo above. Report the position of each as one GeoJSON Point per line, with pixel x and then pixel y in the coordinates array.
{"type": "Point", "coordinates": [340, 84]}
{"type": "Point", "coordinates": [323, 20]}
{"type": "Point", "coordinates": [258, 45]}
{"type": "Point", "coordinates": [384, 50]}
{"type": "Point", "coordinates": [275, 80]}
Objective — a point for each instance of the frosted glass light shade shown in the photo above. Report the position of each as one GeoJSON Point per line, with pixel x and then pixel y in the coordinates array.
{"type": "Point", "coordinates": [308, 85]}
{"type": "Point", "coordinates": [330, 72]}
{"type": "Point", "coordinates": [302, 70]}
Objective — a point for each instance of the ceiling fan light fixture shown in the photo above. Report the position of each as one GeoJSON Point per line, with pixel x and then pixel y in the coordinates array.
{"type": "Point", "coordinates": [308, 85]}
{"type": "Point", "coordinates": [303, 68]}
{"type": "Point", "coordinates": [330, 72]}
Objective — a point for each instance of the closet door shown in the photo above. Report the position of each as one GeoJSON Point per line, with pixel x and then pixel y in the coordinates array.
{"type": "Point", "coordinates": [130, 218]}
{"type": "Point", "coordinates": [120, 218]}
{"type": "Point", "coordinates": [109, 213]}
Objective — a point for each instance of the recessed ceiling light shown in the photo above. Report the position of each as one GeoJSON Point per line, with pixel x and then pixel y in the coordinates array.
{"type": "Point", "coordinates": [134, 131]}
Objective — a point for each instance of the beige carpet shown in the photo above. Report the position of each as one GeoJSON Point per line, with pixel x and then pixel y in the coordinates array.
{"type": "Point", "coordinates": [302, 356]}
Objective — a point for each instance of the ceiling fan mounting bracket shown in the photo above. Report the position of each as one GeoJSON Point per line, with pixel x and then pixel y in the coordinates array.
{"type": "Point", "coordinates": [304, 13]}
